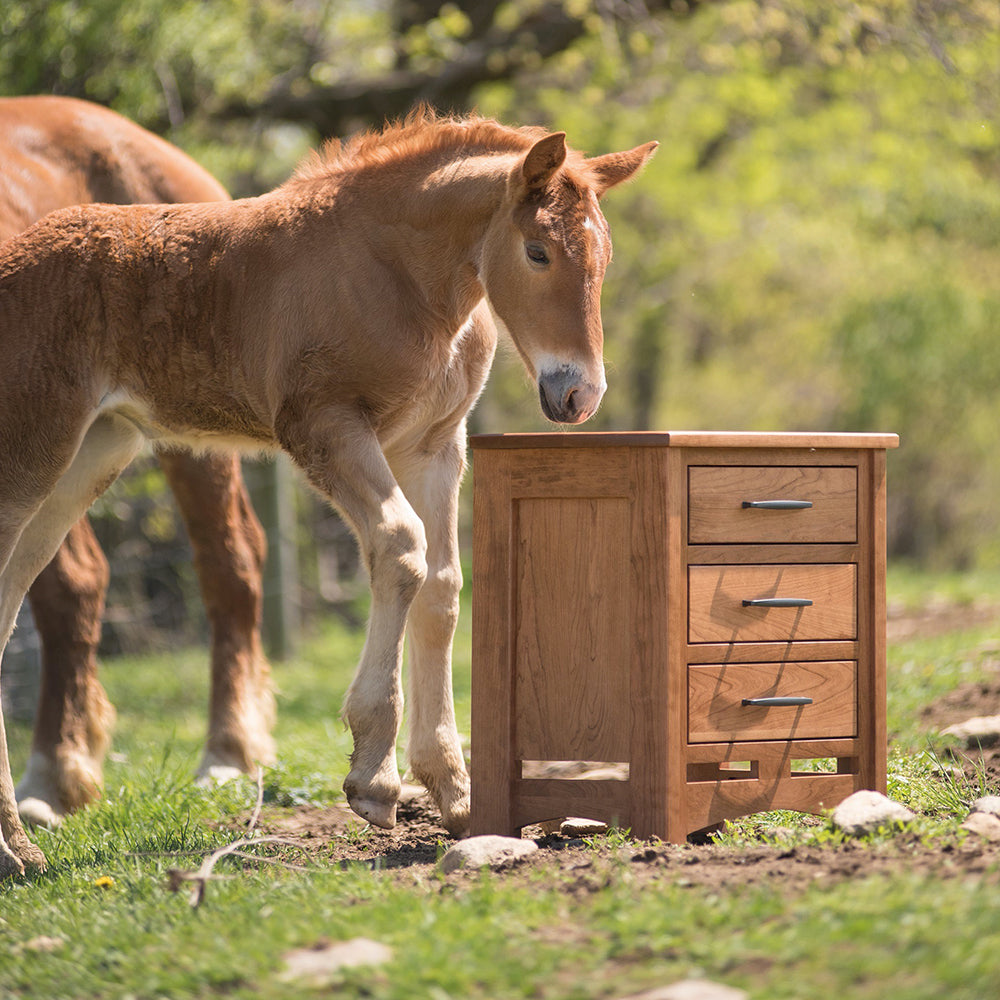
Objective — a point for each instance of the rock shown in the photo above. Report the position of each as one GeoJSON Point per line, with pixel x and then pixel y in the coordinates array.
{"type": "Point", "coordinates": [989, 804]}
{"type": "Point", "coordinates": [488, 851]}
{"type": "Point", "coordinates": [985, 825]}
{"type": "Point", "coordinates": [865, 812]}
{"type": "Point", "coordinates": [570, 769]}
{"type": "Point", "coordinates": [577, 826]}
{"type": "Point", "coordinates": [976, 733]}
{"type": "Point", "coordinates": [691, 989]}
{"type": "Point", "coordinates": [319, 965]}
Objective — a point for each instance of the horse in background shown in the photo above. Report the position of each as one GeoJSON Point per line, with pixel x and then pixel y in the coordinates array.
{"type": "Point", "coordinates": [349, 317]}
{"type": "Point", "coordinates": [57, 152]}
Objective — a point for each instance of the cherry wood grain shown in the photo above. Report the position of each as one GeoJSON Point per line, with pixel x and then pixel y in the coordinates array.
{"type": "Point", "coordinates": [716, 693]}
{"type": "Point", "coordinates": [609, 572]}
{"type": "Point", "coordinates": [571, 683]}
{"type": "Point", "coordinates": [540, 799]}
{"type": "Point", "coordinates": [806, 442]}
{"type": "Point", "coordinates": [493, 764]}
{"type": "Point", "coordinates": [717, 495]}
{"type": "Point", "coordinates": [776, 755]}
{"type": "Point", "coordinates": [711, 803]}
{"type": "Point", "coordinates": [718, 614]}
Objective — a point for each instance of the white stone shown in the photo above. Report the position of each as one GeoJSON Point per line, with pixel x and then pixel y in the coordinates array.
{"type": "Point", "coordinates": [488, 851]}
{"type": "Point", "coordinates": [865, 811]}
{"type": "Point", "coordinates": [984, 825]}
{"type": "Point", "coordinates": [577, 826]}
{"type": "Point", "coordinates": [691, 989]}
{"type": "Point", "coordinates": [987, 804]}
{"type": "Point", "coordinates": [318, 966]}
{"type": "Point", "coordinates": [980, 731]}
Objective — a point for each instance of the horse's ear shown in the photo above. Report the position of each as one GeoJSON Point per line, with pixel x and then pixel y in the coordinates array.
{"type": "Point", "coordinates": [543, 160]}
{"type": "Point", "coordinates": [614, 168]}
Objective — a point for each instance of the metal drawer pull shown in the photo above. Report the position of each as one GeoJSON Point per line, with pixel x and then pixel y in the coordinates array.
{"type": "Point", "coordinates": [777, 702]}
{"type": "Point", "coordinates": [779, 602]}
{"type": "Point", "coordinates": [778, 504]}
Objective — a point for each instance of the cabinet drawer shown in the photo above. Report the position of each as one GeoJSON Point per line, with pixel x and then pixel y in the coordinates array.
{"type": "Point", "coordinates": [716, 693]}
{"type": "Point", "coordinates": [719, 608]}
{"type": "Point", "coordinates": [717, 494]}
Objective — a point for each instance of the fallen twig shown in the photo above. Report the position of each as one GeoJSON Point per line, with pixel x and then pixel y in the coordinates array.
{"type": "Point", "coordinates": [255, 815]}
{"type": "Point", "coordinates": [204, 874]}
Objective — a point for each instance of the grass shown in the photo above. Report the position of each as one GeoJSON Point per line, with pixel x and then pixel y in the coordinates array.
{"type": "Point", "coordinates": [114, 928]}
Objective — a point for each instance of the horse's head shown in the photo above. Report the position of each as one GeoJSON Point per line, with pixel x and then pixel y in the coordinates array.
{"type": "Point", "coordinates": [543, 264]}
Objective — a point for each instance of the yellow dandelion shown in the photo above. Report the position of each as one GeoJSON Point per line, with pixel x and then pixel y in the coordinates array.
{"type": "Point", "coordinates": [104, 882]}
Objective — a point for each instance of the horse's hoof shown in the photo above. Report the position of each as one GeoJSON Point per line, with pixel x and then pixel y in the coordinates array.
{"type": "Point", "coordinates": [37, 812]}
{"type": "Point", "coordinates": [10, 864]}
{"type": "Point", "coordinates": [31, 856]}
{"type": "Point", "coordinates": [380, 814]}
{"type": "Point", "coordinates": [457, 822]}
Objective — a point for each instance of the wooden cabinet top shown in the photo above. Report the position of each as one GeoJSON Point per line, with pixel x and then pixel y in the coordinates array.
{"type": "Point", "coordinates": [684, 439]}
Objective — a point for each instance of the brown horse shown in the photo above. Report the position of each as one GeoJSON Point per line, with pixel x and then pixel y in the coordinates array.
{"type": "Point", "coordinates": [56, 152]}
{"type": "Point", "coordinates": [350, 318]}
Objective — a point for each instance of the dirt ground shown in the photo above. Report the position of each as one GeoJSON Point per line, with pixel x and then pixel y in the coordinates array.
{"type": "Point", "coordinates": [334, 835]}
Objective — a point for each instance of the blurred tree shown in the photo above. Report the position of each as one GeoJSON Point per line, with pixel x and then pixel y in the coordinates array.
{"type": "Point", "coordinates": [187, 67]}
{"type": "Point", "coordinates": [817, 240]}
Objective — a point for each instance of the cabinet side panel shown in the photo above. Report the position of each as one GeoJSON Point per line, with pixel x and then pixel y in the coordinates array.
{"type": "Point", "coordinates": [659, 703]}
{"type": "Point", "coordinates": [872, 692]}
{"type": "Point", "coordinates": [571, 649]}
{"type": "Point", "coordinates": [491, 767]}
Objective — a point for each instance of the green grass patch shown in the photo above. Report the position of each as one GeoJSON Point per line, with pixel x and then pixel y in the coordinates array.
{"type": "Point", "coordinates": [115, 929]}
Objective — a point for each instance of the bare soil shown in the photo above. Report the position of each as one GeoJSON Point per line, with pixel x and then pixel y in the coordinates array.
{"type": "Point", "coordinates": [334, 835]}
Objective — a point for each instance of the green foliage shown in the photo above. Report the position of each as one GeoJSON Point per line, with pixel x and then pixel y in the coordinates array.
{"type": "Point", "coordinates": [815, 245]}
{"type": "Point", "coordinates": [925, 360]}
{"type": "Point", "coordinates": [164, 64]}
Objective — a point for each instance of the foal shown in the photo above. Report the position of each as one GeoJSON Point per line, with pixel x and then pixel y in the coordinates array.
{"type": "Point", "coordinates": [350, 318]}
{"type": "Point", "coordinates": [56, 152]}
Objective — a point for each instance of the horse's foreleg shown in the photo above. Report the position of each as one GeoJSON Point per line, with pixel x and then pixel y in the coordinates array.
{"type": "Point", "coordinates": [74, 717]}
{"type": "Point", "coordinates": [343, 459]}
{"type": "Point", "coordinates": [16, 850]}
{"type": "Point", "coordinates": [434, 748]}
{"type": "Point", "coordinates": [229, 550]}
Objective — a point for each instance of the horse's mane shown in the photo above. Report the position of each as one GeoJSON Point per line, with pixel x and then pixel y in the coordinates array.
{"type": "Point", "coordinates": [422, 131]}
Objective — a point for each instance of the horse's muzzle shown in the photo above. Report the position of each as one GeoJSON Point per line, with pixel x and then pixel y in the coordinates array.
{"type": "Point", "coordinates": [567, 397]}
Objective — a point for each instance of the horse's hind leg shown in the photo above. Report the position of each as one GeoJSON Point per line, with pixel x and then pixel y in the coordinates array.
{"type": "Point", "coordinates": [74, 720]}
{"type": "Point", "coordinates": [107, 447]}
{"type": "Point", "coordinates": [74, 717]}
{"type": "Point", "coordinates": [229, 550]}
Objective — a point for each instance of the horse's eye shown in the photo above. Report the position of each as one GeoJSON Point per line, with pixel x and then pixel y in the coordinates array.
{"type": "Point", "coordinates": [536, 253]}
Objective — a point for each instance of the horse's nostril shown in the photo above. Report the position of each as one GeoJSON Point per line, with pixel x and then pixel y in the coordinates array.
{"type": "Point", "coordinates": [566, 397]}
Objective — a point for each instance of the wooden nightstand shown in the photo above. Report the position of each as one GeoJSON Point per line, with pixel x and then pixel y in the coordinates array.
{"type": "Point", "coordinates": [705, 608]}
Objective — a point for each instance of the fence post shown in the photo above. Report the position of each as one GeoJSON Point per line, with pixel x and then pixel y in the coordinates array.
{"type": "Point", "coordinates": [272, 490]}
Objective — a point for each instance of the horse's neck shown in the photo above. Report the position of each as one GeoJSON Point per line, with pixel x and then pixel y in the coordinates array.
{"type": "Point", "coordinates": [432, 221]}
